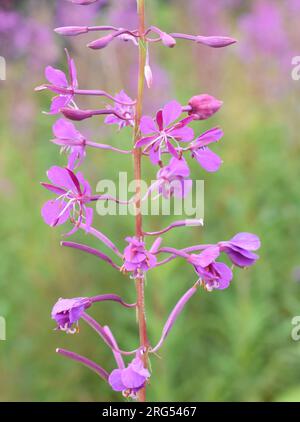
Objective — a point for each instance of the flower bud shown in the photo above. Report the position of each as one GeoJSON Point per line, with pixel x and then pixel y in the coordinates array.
{"type": "Point", "coordinates": [101, 42]}
{"type": "Point", "coordinates": [83, 2]}
{"type": "Point", "coordinates": [215, 41]}
{"type": "Point", "coordinates": [204, 106]}
{"type": "Point", "coordinates": [167, 40]}
{"type": "Point", "coordinates": [75, 114]}
{"type": "Point", "coordinates": [148, 75]}
{"type": "Point", "coordinates": [69, 31]}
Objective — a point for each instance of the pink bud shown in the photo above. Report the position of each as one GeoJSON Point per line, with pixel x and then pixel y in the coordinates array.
{"type": "Point", "coordinates": [83, 2]}
{"type": "Point", "coordinates": [215, 42]}
{"type": "Point", "coordinates": [204, 106]}
{"type": "Point", "coordinates": [69, 31]}
{"type": "Point", "coordinates": [101, 42]}
{"type": "Point", "coordinates": [148, 76]}
{"type": "Point", "coordinates": [75, 114]}
{"type": "Point", "coordinates": [167, 40]}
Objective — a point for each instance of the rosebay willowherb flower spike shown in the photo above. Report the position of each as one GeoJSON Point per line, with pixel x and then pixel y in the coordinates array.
{"type": "Point", "coordinates": [168, 141]}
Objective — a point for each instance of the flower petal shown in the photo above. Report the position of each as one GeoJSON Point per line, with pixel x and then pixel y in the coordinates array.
{"type": "Point", "coordinates": [246, 240]}
{"type": "Point", "coordinates": [52, 209]}
{"type": "Point", "coordinates": [225, 275]}
{"type": "Point", "coordinates": [210, 161]}
{"type": "Point", "coordinates": [60, 176]}
{"type": "Point", "coordinates": [184, 134]}
{"type": "Point", "coordinates": [64, 129]}
{"type": "Point", "coordinates": [132, 379]}
{"type": "Point", "coordinates": [208, 256]}
{"type": "Point", "coordinates": [56, 77]}
{"type": "Point", "coordinates": [115, 380]}
{"type": "Point", "coordinates": [59, 102]}
{"type": "Point", "coordinates": [147, 125]}
{"type": "Point", "coordinates": [211, 135]}
{"type": "Point", "coordinates": [171, 112]}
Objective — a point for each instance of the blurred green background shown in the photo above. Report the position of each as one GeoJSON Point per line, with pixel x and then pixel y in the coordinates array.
{"type": "Point", "coordinates": [232, 345]}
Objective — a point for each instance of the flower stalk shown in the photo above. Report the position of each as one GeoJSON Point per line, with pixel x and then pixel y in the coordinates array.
{"type": "Point", "coordinates": [137, 155]}
{"type": "Point", "coordinates": [165, 136]}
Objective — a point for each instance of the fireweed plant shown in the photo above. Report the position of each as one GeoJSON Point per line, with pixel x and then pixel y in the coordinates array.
{"type": "Point", "coordinates": [168, 136]}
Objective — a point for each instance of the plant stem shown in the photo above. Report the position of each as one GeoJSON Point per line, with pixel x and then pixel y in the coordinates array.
{"type": "Point", "coordinates": [140, 286]}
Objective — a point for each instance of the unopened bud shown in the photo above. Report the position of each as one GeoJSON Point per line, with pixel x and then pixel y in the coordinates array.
{"type": "Point", "coordinates": [69, 31]}
{"type": "Point", "coordinates": [204, 106]}
{"type": "Point", "coordinates": [101, 42]}
{"type": "Point", "coordinates": [83, 2]}
{"type": "Point", "coordinates": [148, 76]}
{"type": "Point", "coordinates": [75, 114]}
{"type": "Point", "coordinates": [167, 40]}
{"type": "Point", "coordinates": [215, 42]}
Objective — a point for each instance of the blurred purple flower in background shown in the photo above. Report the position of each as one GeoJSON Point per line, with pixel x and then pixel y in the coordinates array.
{"type": "Point", "coordinates": [264, 32]}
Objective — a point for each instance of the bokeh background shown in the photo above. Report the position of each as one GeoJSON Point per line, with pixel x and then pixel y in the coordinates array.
{"type": "Point", "coordinates": [233, 345]}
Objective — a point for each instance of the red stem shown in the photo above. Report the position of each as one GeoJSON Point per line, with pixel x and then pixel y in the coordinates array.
{"type": "Point", "coordinates": [140, 286]}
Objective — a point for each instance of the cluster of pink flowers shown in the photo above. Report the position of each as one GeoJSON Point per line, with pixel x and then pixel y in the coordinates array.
{"type": "Point", "coordinates": [167, 135]}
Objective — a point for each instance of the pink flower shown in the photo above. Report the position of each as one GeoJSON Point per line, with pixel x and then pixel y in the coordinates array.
{"type": "Point", "coordinates": [240, 249]}
{"type": "Point", "coordinates": [71, 140]}
{"type": "Point", "coordinates": [207, 159]}
{"type": "Point", "coordinates": [136, 258]}
{"type": "Point", "coordinates": [127, 111]}
{"type": "Point", "coordinates": [67, 312]}
{"type": "Point", "coordinates": [163, 131]}
{"type": "Point", "coordinates": [131, 379]}
{"type": "Point", "coordinates": [73, 194]}
{"type": "Point", "coordinates": [61, 85]}
{"type": "Point", "coordinates": [212, 274]}
{"type": "Point", "coordinates": [173, 179]}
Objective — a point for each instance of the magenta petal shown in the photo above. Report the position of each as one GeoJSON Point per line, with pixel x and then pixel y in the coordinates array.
{"type": "Point", "coordinates": [225, 275]}
{"type": "Point", "coordinates": [73, 73]}
{"type": "Point", "coordinates": [56, 77]}
{"type": "Point", "coordinates": [155, 155]}
{"type": "Point", "coordinates": [241, 257]}
{"type": "Point", "coordinates": [208, 256]}
{"type": "Point", "coordinates": [138, 366]}
{"type": "Point", "coordinates": [54, 189]}
{"type": "Point", "coordinates": [115, 380]}
{"type": "Point", "coordinates": [210, 161]}
{"type": "Point", "coordinates": [246, 240]}
{"type": "Point", "coordinates": [132, 379]}
{"type": "Point", "coordinates": [184, 134]}
{"type": "Point", "coordinates": [65, 130]}
{"type": "Point", "coordinates": [89, 212]}
{"type": "Point", "coordinates": [144, 141]}
{"type": "Point", "coordinates": [172, 150]}
{"type": "Point", "coordinates": [212, 135]}
{"type": "Point", "coordinates": [52, 209]}
{"type": "Point", "coordinates": [147, 125]}
{"type": "Point", "coordinates": [58, 103]}
{"type": "Point", "coordinates": [111, 120]}
{"type": "Point", "coordinates": [60, 176]}
{"type": "Point", "coordinates": [181, 188]}
{"type": "Point", "coordinates": [171, 112]}
{"type": "Point", "coordinates": [178, 167]}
